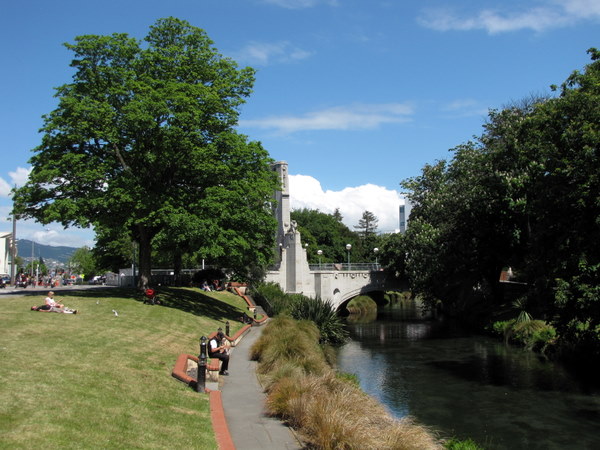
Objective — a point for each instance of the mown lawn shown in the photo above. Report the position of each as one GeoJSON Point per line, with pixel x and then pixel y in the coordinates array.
{"type": "Point", "coordinates": [96, 380]}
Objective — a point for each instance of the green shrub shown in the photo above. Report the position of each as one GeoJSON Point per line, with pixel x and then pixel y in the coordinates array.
{"type": "Point", "coordinates": [361, 304]}
{"type": "Point", "coordinates": [351, 378]}
{"type": "Point", "coordinates": [455, 444]}
{"type": "Point", "coordinates": [270, 296]}
{"type": "Point", "coordinates": [499, 328]}
{"type": "Point", "coordinates": [324, 315]}
{"type": "Point", "coordinates": [398, 299]}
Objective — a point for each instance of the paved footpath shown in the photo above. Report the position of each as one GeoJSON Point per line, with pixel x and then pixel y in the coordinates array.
{"type": "Point", "coordinates": [243, 403]}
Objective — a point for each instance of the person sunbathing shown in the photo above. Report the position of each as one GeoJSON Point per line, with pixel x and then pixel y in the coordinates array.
{"type": "Point", "coordinates": [52, 305]}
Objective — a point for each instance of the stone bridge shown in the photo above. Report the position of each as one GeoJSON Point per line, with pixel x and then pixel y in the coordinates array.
{"type": "Point", "coordinates": [337, 284]}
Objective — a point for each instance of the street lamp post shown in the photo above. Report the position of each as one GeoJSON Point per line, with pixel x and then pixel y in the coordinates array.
{"type": "Point", "coordinates": [319, 252]}
{"type": "Point", "coordinates": [376, 250]}
{"type": "Point", "coordinates": [31, 257]}
{"type": "Point", "coordinates": [13, 252]}
{"type": "Point", "coordinates": [348, 247]}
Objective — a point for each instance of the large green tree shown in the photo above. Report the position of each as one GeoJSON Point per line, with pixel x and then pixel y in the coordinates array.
{"type": "Point", "coordinates": [83, 262]}
{"type": "Point", "coordinates": [325, 232]}
{"type": "Point", "coordinates": [142, 143]}
{"type": "Point", "coordinates": [525, 194]}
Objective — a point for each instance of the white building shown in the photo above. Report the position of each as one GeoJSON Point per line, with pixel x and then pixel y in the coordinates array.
{"type": "Point", "coordinates": [5, 259]}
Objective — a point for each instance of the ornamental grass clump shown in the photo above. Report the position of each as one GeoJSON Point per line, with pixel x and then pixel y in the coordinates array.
{"type": "Point", "coordinates": [327, 410]}
{"type": "Point", "coordinates": [324, 315]}
{"type": "Point", "coordinates": [289, 342]}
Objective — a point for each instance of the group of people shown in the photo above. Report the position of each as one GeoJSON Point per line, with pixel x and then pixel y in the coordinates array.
{"type": "Point", "coordinates": [214, 286]}
{"type": "Point", "coordinates": [52, 305]}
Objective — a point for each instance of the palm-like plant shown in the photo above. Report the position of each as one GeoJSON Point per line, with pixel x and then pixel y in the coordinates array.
{"type": "Point", "coordinates": [324, 315]}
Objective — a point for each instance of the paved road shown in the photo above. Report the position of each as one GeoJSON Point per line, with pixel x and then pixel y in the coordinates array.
{"type": "Point", "coordinates": [243, 402]}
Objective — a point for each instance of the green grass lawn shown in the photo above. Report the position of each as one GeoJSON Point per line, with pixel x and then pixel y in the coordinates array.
{"type": "Point", "coordinates": [96, 380]}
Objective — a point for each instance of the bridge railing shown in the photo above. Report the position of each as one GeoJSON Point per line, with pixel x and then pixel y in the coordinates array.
{"type": "Point", "coordinates": [328, 267]}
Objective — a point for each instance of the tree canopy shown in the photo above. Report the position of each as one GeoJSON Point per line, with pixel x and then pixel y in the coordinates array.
{"type": "Point", "coordinates": [142, 144]}
{"type": "Point", "coordinates": [326, 232]}
{"type": "Point", "coordinates": [526, 195]}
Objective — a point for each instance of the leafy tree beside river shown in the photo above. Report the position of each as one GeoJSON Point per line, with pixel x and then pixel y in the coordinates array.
{"type": "Point", "coordinates": [525, 195]}
{"type": "Point", "coordinates": [142, 146]}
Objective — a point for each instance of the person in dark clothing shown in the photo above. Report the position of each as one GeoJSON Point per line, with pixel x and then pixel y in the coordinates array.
{"type": "Point", "coordinates": [218, 349]}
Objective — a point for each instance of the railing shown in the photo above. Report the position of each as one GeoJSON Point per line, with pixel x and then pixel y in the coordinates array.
{"type": "Point", "coordinates": [328, 267]}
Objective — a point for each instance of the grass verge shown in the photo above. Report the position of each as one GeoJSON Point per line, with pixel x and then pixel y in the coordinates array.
{"type": "Point", "coordinates": [98, 380]}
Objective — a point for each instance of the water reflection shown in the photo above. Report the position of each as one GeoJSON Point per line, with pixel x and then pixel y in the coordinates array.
{"type": "Point", "coordinates": [471, 386]}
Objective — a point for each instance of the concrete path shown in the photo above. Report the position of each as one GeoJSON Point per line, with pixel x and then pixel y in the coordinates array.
{"type": "Point", "coordinates": [243, 402]}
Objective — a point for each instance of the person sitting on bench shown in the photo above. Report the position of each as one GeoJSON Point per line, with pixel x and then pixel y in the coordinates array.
{"type": "Point", "coordinates": [218, 349]}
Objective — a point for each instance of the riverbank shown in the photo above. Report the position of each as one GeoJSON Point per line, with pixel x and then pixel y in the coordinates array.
{"type": "Point", "coordinates": [327, 410]}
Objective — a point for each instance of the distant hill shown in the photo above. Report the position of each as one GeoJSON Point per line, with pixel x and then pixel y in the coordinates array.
{"type": "Point", "coordinates": [47, 252]}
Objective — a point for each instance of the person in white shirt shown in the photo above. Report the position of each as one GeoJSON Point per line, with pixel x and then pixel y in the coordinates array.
{"type": "Point", "coordinates": [54, 306]}
{"type": "Point", "coordinates": [218, 349]}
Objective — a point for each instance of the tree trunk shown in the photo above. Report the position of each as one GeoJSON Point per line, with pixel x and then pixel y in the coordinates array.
{"type": "Point", "coordinates": [145, 257]}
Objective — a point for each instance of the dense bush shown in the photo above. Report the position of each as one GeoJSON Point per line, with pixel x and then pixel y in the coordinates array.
{"type": "Point", "coordinates": [270, 296]}
{"type": "Point", "coordinates": [361, 304]}
{"type": "Point", "coordinates": [531, 334]}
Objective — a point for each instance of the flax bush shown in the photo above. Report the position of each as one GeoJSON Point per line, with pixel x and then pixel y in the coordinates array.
{"type": "Point", "coordinates": [324, 315]}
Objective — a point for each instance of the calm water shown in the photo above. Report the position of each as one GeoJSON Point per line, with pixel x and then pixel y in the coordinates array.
{"type": "Point", "coordinates": [471, 386]}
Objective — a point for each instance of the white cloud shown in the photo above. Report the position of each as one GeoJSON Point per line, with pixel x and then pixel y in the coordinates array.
{"type": "Point", "coordinates": [5, 188]}
{"type": "Point", "coordinates": [551, 14]}
{"type": "Point", "coordinates": [464, 108]}
{"type": "Point", "coordinates": [307, 192]}
{"type": "Point", "coordinates": [264, 53]}
{"type": "Point", "coordinates": [300, 4]}
{"type": "Point", "coordinates": [355, 117]}
{"type": "Point", "coordinates": [18, 178]}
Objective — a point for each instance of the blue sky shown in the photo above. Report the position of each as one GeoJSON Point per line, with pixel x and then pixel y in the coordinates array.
{"type": "Point", "coordinates": [355, 95]}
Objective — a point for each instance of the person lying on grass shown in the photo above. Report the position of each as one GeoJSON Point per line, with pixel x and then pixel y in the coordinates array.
{"type": "Point", "coordinates": [52, 305]}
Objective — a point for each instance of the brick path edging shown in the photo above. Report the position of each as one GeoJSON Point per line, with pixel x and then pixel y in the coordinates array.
{"type": "Point", "coordinates": [217, 414]}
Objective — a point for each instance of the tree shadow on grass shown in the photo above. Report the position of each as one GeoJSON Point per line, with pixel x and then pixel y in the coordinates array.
{"type": "Point", "coordinates": [191, 301]}
{"type": "Point", "coordinates": [198, 303]}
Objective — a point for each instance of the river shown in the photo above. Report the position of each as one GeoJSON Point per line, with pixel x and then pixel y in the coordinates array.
{"type": "Point", "coordinates": [471, 386]}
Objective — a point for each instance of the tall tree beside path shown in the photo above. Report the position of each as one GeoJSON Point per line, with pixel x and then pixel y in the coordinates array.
{"type": "Point", "coordinates": [142, 139]}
